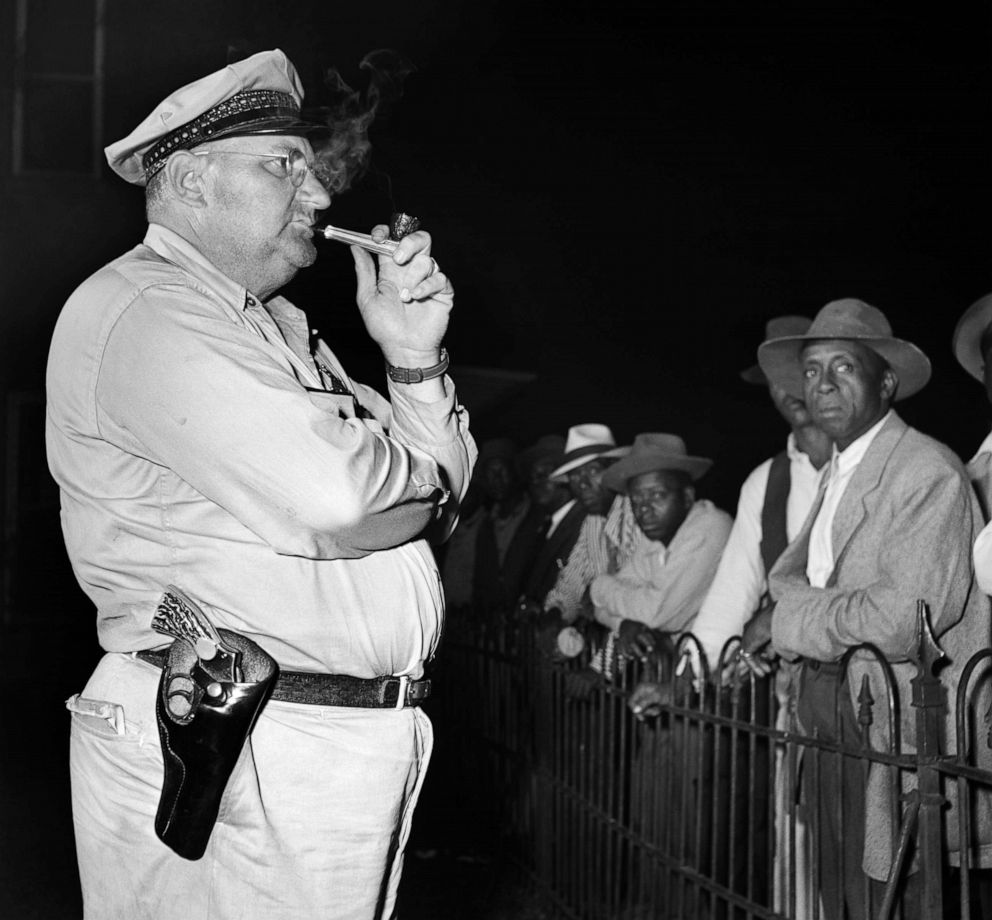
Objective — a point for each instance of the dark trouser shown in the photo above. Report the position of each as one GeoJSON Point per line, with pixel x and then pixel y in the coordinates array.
{"type": "Point", "coordinates": [833, 794]}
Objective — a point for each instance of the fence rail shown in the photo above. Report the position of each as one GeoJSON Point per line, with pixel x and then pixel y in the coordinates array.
{"type": "Point", "coordinates": [698, 811]}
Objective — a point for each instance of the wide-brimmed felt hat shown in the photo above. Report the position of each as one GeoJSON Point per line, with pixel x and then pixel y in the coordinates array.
{"type": "Point", "coordinates": [547, 447]}
{"type": "Point", "coordinates": [853, 320]}
{"type": "Point", "coordinates": [776, 327]}
{"type": "Point", "coordinates": [585, 443]}
{"type": "Point", "coordinates": [654, 451]}
{"type": "Point", "coordinates": [967, 339]}
{"type": "Point", "coordinates": [261, 94]}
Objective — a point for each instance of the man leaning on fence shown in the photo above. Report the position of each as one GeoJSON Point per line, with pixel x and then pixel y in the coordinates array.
{"type": "Point", "coordinates": [608, 533]}
{"type": "Point", "coordinates": [663, 583]}
{"type": "Point", "coordinates": [893, 524]}
{"type": "Point", "coordinates": [774, 502]}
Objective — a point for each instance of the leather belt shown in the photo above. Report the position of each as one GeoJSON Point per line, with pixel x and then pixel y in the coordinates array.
{"type": "Point", "coordinates": [333, 689]}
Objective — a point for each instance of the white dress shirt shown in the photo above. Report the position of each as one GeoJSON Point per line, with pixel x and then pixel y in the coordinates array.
{"type": "Point", "coordinates": [820, 560]}
{"type": "Point", "coordinates": [740, 579]}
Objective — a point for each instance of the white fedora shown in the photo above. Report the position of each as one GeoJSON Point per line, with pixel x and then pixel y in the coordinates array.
{"type": "Point", "coordinates": [585, 443]}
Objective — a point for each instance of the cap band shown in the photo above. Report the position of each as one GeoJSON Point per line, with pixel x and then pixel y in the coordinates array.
{"type": "Point", "coordinates": [242, 110]}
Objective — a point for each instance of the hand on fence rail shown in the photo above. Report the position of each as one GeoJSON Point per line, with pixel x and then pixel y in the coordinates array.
{"type": "Point", "coordinates": [648, 699]}
{"type": "Point", "coordinates": [755, 651]}
{"type": "Point", "coordinates": [636, 640]}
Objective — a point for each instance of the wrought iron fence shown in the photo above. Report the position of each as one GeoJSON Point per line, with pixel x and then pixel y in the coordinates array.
{"type": "Point", "coordinates": [696, 811]}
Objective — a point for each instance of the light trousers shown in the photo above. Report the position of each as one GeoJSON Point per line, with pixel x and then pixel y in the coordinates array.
{"type": "Point", "coordinates": [313, 823]}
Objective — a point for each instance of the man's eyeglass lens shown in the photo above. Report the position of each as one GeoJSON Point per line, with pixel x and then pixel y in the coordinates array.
{"type": "Point", "coordinates": [294, 164]}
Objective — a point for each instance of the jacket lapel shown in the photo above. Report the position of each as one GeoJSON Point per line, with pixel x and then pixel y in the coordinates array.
{"type": "Point", "coordinates": [568, 525]}
{"type": "Point", "coordinates": [853, 507]}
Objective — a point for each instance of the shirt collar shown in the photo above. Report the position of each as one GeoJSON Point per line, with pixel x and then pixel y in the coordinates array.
{"type": "Point", "coordinates": [557, 516]}
{"type": "Point", "coordinates": [174, 248]}
{"type": "Point", "coordinates": [846, 460]}
{"type": "Point", "coordinates": [796, 455]}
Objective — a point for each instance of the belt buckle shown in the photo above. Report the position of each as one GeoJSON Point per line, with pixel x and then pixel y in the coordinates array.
{"type": "Point", "coordinates": [401, 693]}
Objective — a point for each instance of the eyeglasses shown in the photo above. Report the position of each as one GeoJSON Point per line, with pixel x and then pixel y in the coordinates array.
{"type": "Point", "coordinates": [293, 165]}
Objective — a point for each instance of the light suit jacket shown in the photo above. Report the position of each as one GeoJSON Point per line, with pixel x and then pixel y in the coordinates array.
{"type": "Point", "coordinates": [903, 531]}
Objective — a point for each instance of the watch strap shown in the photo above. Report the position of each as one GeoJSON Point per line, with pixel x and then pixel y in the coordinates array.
{"type": "Point", "coordinates": [418, 374]}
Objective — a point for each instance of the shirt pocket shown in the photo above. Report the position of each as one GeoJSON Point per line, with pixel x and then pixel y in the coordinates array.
{"type": "Point", "coordinates": [340, 404]}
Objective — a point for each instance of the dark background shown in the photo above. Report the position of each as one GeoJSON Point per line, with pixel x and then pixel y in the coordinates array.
{"type": "Point", "coordinates": [623, 194]}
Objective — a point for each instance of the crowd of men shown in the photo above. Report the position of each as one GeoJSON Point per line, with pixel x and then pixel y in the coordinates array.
{"type": "Point", "coordinates": [836, 538]}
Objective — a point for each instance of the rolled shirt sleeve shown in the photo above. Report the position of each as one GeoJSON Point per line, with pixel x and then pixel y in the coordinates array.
{"type": "Point", "coordinates": [440, 430]}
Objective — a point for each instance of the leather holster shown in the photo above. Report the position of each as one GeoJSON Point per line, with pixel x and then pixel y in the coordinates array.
{"type": "Point", "coordinates": [204, 719]}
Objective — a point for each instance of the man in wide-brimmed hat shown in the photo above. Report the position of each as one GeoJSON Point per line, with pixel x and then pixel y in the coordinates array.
{"type": "Point", "coordinates": [608, 533]}
{"type": "Point", "coordinates": [894, 525]}
{"type": "Point", "coordinates": [972, 346]}
{"type": "Point", "coordinates": [657, 591]}
{"type": "Point", "coordinates": [663, 582]}
{"type": "Point", "coordinates": [204, 437]}
{"type": "Point", "coordinates": [774, 501]}
{"type": "Point", "coordinates": [773, 504]}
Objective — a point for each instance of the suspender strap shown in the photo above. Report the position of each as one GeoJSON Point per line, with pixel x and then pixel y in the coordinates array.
{"type": "Point", "coordinates": [774, 537]}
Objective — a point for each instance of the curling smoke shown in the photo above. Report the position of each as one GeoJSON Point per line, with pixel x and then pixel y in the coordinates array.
{"type": "Point", "coordinates": [345, 155]}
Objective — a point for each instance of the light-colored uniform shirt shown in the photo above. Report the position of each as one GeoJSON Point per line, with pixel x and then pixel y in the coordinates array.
{"type": "Point", "coordinates": [195, 443]}
{"type": "Point", "coordinates": [820, 559]}
{"type": "Point", "coordinates": [741, 580]}
{"type": "Point", "coordinates": [661, 586]}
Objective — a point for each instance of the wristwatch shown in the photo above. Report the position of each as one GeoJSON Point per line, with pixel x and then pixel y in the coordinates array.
{"type": "Point", "coordinates": [418, 374]}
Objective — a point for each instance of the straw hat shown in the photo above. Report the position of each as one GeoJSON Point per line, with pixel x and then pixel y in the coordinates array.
{"type": "Point", "coordinates": [654, 451]}
{"type": "Point", "coordinates": [855, 321]}
{"type": "Point", "coordinates": [585, 443]}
